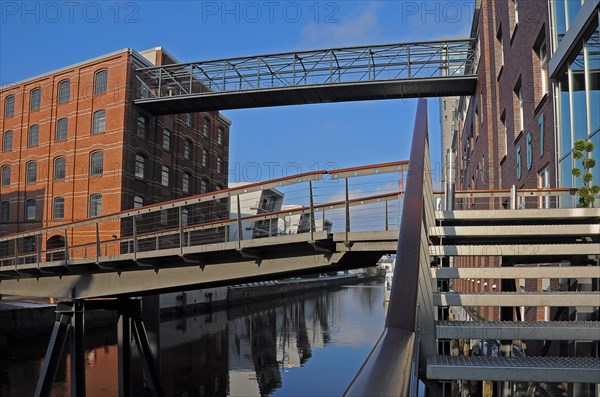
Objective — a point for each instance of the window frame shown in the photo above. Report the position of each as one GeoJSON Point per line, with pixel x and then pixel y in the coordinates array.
{"type": "Point", "coordinates": [58, 177]}
{"type": "Point", "coordinates": [187, 149]}
{"type": "Point", "coordinates": [55, 201]}
{"type": "Point", "coordinates": [9, 99]}
{"type": "Point", "coordinates": [94, 169]}
{"type": "Point", "coordinates": [101, 81]}
{"type": "Point", "coordinates": [5, 211]}
{"type": "Point", "coordinates": [30, 135]}
{"type": "Point", "coordinates": [99, 122]}
{"type": "Point", "coordinates": [61, 92]}
{"type": "Point", "coordinates": [186, 182]}
{"type": "Point", "coordinates": [59, 128]}
{"type": "Point", "coordinates": [29, 172]}
{"type": "Point", "coordinates": [140, 165]}
{"type": "Point", "coordinates": [28, 215]}
{"type": "Point", "coordinates": [35, 99]}
{"type": "Point", "coordinates": [165, 175]}
{"type": "Point", "coordinates": [166, 140]}
{"type": "Point", "coordinates": [7, 133]}
{"type": "Point", "coordinates": [95, 203]}
{"type": "Point", "coordinates": [5, 182]}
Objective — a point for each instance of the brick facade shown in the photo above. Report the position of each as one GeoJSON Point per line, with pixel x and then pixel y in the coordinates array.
{"type": "Point", "coordinates": [120, 142]}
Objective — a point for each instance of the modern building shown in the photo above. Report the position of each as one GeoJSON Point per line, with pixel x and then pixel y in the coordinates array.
{"type": "Point", "coordinates": [74, 146]}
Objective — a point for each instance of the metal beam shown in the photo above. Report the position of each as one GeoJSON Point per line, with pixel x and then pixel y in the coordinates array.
{"type": "Point", "coordinates": [547, 213]}
{"type": "Point", "coordinates": [557, 299]}
{"type": "Point", "coordinates": [510, 330]}
{"type": "Point", "coordinates": [514, 231]}
{"type": "Point", "coordinates": [520, 369]}
{"type": "Point", "coordinates": [54, 355]}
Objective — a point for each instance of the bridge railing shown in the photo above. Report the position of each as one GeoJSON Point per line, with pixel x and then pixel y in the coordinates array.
{"type": "Point", "coordinates": [319, 67]}
{"type": "Point", "coordinates": [344, 200]}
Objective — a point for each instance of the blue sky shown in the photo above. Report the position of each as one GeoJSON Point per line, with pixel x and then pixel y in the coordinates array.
{"type": "Point", "coordinates": [37, 37]}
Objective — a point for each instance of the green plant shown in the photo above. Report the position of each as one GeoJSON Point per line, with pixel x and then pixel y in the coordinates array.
{"type": "Point", "coordinates": [587, 192]}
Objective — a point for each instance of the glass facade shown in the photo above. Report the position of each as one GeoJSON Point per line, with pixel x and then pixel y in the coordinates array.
{"type": "Point", "coordinates": [563, 13]}
{"type": "Point", "coordinates": [578, 98]}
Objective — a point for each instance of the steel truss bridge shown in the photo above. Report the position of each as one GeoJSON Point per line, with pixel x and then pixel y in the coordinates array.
{"type": "Point", "coordinates": [405, 70]}
{"type": "Point", "coordinates": [208, 240]}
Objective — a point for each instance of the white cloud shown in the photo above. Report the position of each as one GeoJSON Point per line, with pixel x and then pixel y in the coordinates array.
{"type": "Point", "coordinates": [361, 26]}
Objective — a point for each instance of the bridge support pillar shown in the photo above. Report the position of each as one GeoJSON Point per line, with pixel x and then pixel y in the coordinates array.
{"type": "Point", "coordinates": [77, 352]}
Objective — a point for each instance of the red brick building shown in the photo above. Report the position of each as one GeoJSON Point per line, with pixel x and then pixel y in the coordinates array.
{"type": "Point", "coordinates": [505, 132]}
{"type": "Point", "coordinates": [74, 146]}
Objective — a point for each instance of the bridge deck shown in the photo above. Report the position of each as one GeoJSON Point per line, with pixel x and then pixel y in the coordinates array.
{"type": "Point", "coordinates": [525, 330]}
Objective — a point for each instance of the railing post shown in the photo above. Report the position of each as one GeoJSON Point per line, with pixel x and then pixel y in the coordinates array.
{"type": "Point", "coordinates": [66, 247]}
{"type": "Point", "coordinates": [181, 236]}
{"type": "Point", "coordinates": [408, 60]}
{"type": "Point", "coordinates": [160, 83]}
{"type": "Point", "coordinates": [38, 246]}
{"type": "Point", "coordinates": [135, 240]}
{"type": "Point", "coordinates": [16, 252]}
{"type": "Point", "coordinates": [513, 197]}
{"type": "Point", "coordinates": [239, 222]}
{"type": "Point", "coordinates": [98, 242]}
{"type": "Point", "coordinates": [449, 186]}
{"type": "Point", "coordinates": [387, 226]}
{"type": "Point", "coordinates": [312, 212]}
{"type": "Point", "coordinates": [347, 207]}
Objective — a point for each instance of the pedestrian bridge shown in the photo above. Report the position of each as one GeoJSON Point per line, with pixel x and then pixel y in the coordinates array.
{"type": "Point", "coordinates": [403, 70]}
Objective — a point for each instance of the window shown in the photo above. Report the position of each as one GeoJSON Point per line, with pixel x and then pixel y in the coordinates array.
{"type": "Point", "coordinates": [203, 186]}
{"type": "Point", "coordinates": [35, 99]}
{"type": "Point", "coordinates": [30, 209]}
{"type": "Point", "coordinates": [34, 135]}
{"type": "Point", "coordinates": [220, 136]}
{"type": "Point", "coordinates": [218, 165]}
{"type": "Point", "coordinates": [543, 57]}
{"type": "Point", "coordinates": [60, 167]}
{"type": "Point", "coordinates": [141, 126]}
{"type": "Point", "coordinates": [7, 140]}
{"type": "Point", "coordinates": [187, 149]}
{"type": "Point", "coordinates": [9, 106]}
{"type": "Point", "coordinates": [164, 217]}
{"type": "Point", "coordinates": [95, 205]}
{"type": "Point", "coordinates": [186, 182]}
{"type": "Point", "coordinates": [28, 245]}
{"type": "Point", "coordinates": [6, 170]}
{"type": "Point", "coordinates": [64, 91]}
{"type": "Point", "coordinates": [519, 113]}
{"type": "Point", "coordinates": [188, 119]}
{"type": "Point", "coordinates": [541, 127]}
{"type": "Point", "coordinates": [529, 154]}
{"type": "Point", "coordinates": [101, 82]}
{"type": "Point", "coordinates": [97, 163]}
{"type": "Point", "coordinates": [501, 45]}
{"type": "Point", "coordinates": [62, 125]}
{"type": "Point", "coordinates": [99, 123]}
{"type": "Point", "coordinates": [140, 165]}
{"type": "Point", "coordinates": [206, 128]}
{"type": "Point", "coordinates": [5, 211]}
{"type": "Point", "coordinates": [516, 5]}
{"type": "Point", "coordinates": [164, 180]}
{"type": "Point", "coordinates": [166, 143]}
{"type": "Point", "coordinates": [138, 202]}
{"type": "Point", "coordinates": [519, 162]}
{"type": "Point", "coordinates": [204, 158]}
{"type": "Point", "coordinates": [31, 172]}
{"type": "Point", "coordinates": [58, 208]}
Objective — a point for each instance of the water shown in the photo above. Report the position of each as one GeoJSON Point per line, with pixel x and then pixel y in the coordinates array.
{"type": "Point", "coordinates": [308, 345]}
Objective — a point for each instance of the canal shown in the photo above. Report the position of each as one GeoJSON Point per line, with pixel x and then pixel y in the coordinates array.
{"type": "Point", "coordinates": [305, 345]}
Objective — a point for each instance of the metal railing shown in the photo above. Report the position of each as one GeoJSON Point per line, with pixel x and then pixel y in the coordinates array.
{"type": "Point", "coordinates": [305, 68]}
{"type": "Point", "coordinates": [354, 199]}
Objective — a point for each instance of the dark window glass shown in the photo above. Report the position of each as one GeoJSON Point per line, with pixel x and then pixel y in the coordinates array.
{"type": "Point", "coordinates": [31, 172]}
{"type": "Point", "coordinates": [9, 106]}
{"type": "Point", "coordinates": [33, 137]}
{"type": "Point", "coordinates": [95, 205]}
{"type": "Point", "coordinates": [60, 166]}
{"type": "Point", "coordinates": [64, 91]}
{"type": "Point", "coordinates": [99, 124]}
{"type": "Point", "coordinates": [35, 99]}
{"type": "Point", "coordinates": [30, 210]}
{"type": "Point", "coordinates": [6, 170]}
{"type": "Point", "coordinates": [58, 210]}
{"type": "Point", "coordinates": [7, 141]}
{"type": "Point", "coordinates": [62, 125]}
{"type": "Point", "coordinates": [101, 82]}
{"type": "Point", "coordinates": [97, 163]}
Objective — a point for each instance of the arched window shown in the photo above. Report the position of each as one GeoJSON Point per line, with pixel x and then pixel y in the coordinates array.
{"type": "Point", "coordinates": [203, 186]}
{"type": "Point", "coordinates": [6, 171]}
{"type": "Point", "coordinates": [58, 208]}
{"type": "Point", "coordinates": [30, 210]}
{"type": "Point", "coordinates": [60, 167]}
{"type": "Point", "coordinates": [33, 137]}
{"type": "Point", "coordinates": [142, 123]}
{"type": "Point", "coordinates": [62, 125]}
{"type": "Point", "coordinates": [99, 122]}
{"type": "Point", "coordinates": [7, 141]}
{"type": "Point", "coordinates": [100, 81]}
{"type": "Point", "coordinates": [95, 205]}
{"type": "Point", "coordinates": [9, 106]}
{"type": "Point", "coordinates": [35, 99]}
{"type": "Point", "coordinates": [64, 91]}
{"type": "Point", "coordinates": [97, 163]}
{"type": "Point", "coordinates": [207, 128]}
{"type": "Point", "coordinates": [140, 165]}
{"type": "Point", "coordinates": [31, 172]}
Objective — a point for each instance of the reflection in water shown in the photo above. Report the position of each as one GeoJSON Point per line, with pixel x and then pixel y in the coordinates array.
{"type": "Point", "coordinates": [304, 345]}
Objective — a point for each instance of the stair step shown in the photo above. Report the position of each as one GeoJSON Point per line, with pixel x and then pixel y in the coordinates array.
{"type": "Point", "coordinates": [520, 369]}
{"type": "Point", "coordinates": [557, 299]}
{"type": "Point", "coordinates": [517, 272]}
{"type": "Point", "coordinates": [526, 330]}
{"type": "Point", "coordinates": [515, 250]}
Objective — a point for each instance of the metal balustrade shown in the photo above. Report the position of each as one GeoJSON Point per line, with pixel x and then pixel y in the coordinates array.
{"type": "Point", "coordinates": [356, 68]}
{"type": "Point", "coordinates": [345, 200]}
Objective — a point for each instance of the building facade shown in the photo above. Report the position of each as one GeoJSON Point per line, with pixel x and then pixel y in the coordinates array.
{"type": "Point", "coordinates": [75, 147]}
